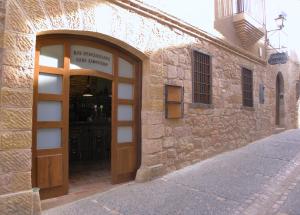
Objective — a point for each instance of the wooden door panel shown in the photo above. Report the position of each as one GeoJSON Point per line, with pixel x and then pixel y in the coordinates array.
{"type": "Point", "coordinates": [126, 160]}
{"type": "Point", "coordinates": [50, 171]}
{"type": "Point", "coordinates": [124, 145]}
{"type": "Point", "coordinates": [50, 147]}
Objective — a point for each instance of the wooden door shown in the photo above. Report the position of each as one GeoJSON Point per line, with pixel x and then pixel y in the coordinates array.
{"type": "Point", "coordinates": [50, 118]}
{"type": "Point", "coordinates": [125, 119]}
{"type": "Point", "coordinates": [58, 57]}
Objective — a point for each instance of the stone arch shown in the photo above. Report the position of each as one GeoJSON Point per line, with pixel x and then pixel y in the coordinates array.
{"type": "Point", "coordinates": [280, 113]}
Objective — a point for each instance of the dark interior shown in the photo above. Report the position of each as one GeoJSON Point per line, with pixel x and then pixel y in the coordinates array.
{"type": "Point", "coordinates": [89, 126]}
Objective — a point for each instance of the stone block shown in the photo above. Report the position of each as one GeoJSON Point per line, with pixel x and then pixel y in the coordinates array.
{"type": "Point", "coordinates": [157, 170]}
{"type": "Point", "coordinates": [156, 91]}
{"type": "Point", "coordinates": [155, 131]}
{"type": "Point", "coordinates": [8, 40]}
{"type": "Point", "coordinates": [156, 70]}
{"type": "Point", "coordinates": [15, 140]}
{"type": "Point", "coordinates": [152, 118]}
{"type": "Point", "coordinates": [169, 142]}
{"type": "Point", "coordinates": [180, 73]}
{"type": "Point", "coordinates": [19, 203]}
{"type": "Point", "coordinates": [25, 43]}
{"type": "Point", "coordinates": [152, 146]}
{"type": "Point", "coordinates": [170, 57]}
{"type": "Point", "coordinates": [14, 182]}
{"type": "Point", "coordinates": [157, 57]}
{"type": "Point", "coordinates": [16, 118]}
{"type": "Point", "coordinates": [15, 21]}
{"type": "Point", "coordinates": [19, 59]}
{"type": "Point", "coordinates": [171, 153]}
{"type": "Point", "coordinates": [15, 161]}
{"type": "Point", "coordinates": [15, 78]}
{"type": "Point", "coordinates": [157, 105]}
{"type": "Point", "coordinates": [35, 12]}
{"type": "Point", "coordinates": [156, 80]}
{"type": "Point", "coordinates": [71, 13]}
{"type": "Point", "coordinates": [54, 11]}
{"type": "Point", "coordinates": [172, 71]}
{"type": "Point", "coordinates": [152, 159]}
{"type": "Point", "coordinates": [14, 98]}
{"type": "Point", "coordinates": [19, 42]}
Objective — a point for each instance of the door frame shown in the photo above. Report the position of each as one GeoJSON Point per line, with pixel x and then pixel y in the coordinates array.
{"type": "Point", "coordinates": [279, 109]}
{"type": "Point", "coordinates": [117, 52]}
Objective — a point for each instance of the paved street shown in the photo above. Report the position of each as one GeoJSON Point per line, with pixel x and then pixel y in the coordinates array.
{"type": "Point", "coordinates": [261, 178]}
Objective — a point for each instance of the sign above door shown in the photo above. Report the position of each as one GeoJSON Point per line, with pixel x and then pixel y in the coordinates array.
{"type": "Point", "coordinates": [83, 57]}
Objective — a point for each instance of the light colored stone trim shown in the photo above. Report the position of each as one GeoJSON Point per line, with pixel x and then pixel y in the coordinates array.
{"type": "Point", "coordinates": [186, 28]}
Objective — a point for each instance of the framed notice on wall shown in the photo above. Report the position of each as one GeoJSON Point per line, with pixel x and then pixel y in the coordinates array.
{"type": "Point", "coordinates": [173, 102]}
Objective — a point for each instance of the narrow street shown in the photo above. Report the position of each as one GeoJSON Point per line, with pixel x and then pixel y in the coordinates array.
{"type": "Point", "coordinates": [261, 178]}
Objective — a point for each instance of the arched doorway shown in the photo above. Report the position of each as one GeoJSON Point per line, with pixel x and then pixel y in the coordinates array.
{"type": "Point", "coordinates": [59, 58]}
{"type": "Point", "coordinates": [279, 118]}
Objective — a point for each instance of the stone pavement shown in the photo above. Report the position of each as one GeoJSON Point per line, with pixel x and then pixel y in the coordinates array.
{"type": "Point", "coordinates": [261, 178]}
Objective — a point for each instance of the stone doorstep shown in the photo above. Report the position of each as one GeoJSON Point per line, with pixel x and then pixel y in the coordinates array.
{"type": "Point", "coordinates": [82, 191]}
{"type": "Point", "coordinates": [27, 202]}
{"type": "Point", "coordinates": [279, 130]}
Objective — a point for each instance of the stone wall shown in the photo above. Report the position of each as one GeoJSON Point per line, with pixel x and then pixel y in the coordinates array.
{"type": "Point", "coordinates": [166, 144]}
{"type": "Point", "coordinates": [205, 131]}
{"type": "Point", "coordinates": [15, 115]}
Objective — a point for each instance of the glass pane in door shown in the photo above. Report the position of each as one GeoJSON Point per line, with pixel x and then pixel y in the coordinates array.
{"type": "Point", "coordinates": [125, 91]}
{"type": "Point", "coordinates": [49, 111]}
{"type": "Point", "coordinates": [125, 69]}
{"type": "Point", "coordinates": [125, 112]}
{"type": "Point", "coordinates": [52, 56]}
{"type": "Point", "coordinates": [124, 134]}
{"type": "Point", "coordinates": [50, 83]}
{"type": "Point", "coordinates": [48, 138]}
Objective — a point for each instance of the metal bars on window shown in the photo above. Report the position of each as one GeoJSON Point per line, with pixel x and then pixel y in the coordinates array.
{"type": "Point", "coordinates": [201, 78]}
{"type": "Point", "coordinates": [247, 87]}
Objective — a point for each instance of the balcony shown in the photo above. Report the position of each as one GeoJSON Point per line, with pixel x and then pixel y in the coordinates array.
{"type": "Point", "coordinates": [241, 22]}
{"type": "Point", "coordinates": [249, 20]}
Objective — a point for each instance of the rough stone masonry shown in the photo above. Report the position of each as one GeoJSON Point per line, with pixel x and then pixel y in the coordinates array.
{"type": "Point", "coordinates": [166, 47]}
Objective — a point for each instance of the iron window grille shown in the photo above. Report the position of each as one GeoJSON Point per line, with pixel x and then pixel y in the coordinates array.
{"type": "Point", "coordinates": [247, 87]}
{"type": "Point", "coordinates": [201, 78]}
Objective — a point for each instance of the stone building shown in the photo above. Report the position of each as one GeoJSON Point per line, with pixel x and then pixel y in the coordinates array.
{"type": "Point", "coordinates": [163, 94]}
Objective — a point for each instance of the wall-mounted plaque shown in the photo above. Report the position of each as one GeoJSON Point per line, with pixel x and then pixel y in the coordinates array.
{"type": "Point", "coordinates": [261, 93]}
{"type": "Point", "coordinates": [84, 57]}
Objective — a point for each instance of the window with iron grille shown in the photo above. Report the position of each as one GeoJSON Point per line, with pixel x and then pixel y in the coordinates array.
{"type": "Point", "coordinates": [201, 78]}
{"type": "Point", "coordinates": [247, 87]}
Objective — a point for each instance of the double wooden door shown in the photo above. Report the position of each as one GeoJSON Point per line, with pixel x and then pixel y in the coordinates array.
{"type": "Point", "coordinates": [57, 58]}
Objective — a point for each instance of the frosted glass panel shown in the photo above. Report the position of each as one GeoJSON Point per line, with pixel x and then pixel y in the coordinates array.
{"type": "Point", "coordinates": [124, 134]}
{"type": "Point", "coordinates": [52, 56]}
{"type": "Point", "coordinates": [125, 91]}
{"type": "Point", "coordinates": [48, 138]}
{"type": "Point", "coordinates": [125, 112]}
{"type": "Point", "coordinates": [49, 83]}
{"type": "Point", "coordinates": [83, 57]}
{"type": "Point", "coordinates": [49, 111]}
{"type": "Point", "coordinates": [125, 68]}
